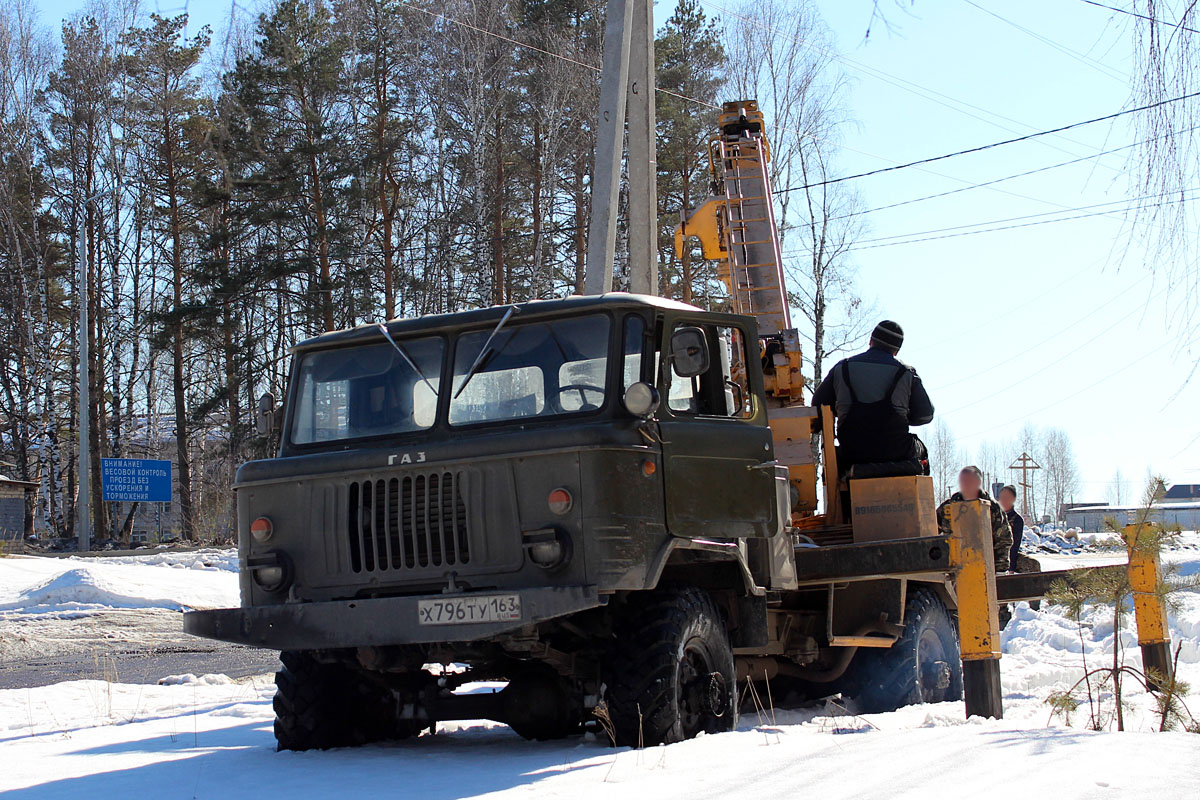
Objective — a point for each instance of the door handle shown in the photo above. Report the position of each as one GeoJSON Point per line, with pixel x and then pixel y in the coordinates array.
{"type": "Point", "coordinates": [764, 465]}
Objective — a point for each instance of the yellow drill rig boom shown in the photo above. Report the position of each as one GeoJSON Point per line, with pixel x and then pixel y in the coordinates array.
{"type": "Point", "coordinates": [736, 227]}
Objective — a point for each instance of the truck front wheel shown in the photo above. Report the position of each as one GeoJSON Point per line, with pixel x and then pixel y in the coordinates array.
{"type": "Point", "coordinates": [923, 666]}
{"type": "Point", "coordinates": [670, 673]}
{"type": "Point", "coordinates": [318, 706]}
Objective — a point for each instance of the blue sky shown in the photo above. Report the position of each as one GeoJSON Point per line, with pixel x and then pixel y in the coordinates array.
{"type": "Point", "coordinates": [1056, 324]}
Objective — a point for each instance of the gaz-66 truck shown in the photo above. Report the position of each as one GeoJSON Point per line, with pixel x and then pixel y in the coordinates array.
{"type": "Point", "coordinates": [608, 501]}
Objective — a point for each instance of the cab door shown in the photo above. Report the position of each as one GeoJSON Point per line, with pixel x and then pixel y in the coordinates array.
{"type": "Point", "coordinates": [720, 478]}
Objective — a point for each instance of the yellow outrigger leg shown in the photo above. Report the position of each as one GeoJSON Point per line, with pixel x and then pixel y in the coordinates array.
{"type": "Point", "coordinates": [973, 560]}
{"type": "Point", "coordinates": [1145, 578]}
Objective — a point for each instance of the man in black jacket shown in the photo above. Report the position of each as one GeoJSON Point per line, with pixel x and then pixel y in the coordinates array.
{"type": "Point", "coordinates": [1007, 499]}
{"type": "Point", "coordinates": [876, 397]}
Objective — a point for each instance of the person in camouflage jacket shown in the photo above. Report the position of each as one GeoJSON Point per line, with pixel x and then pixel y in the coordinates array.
{"type": "Point", "coordinates": [970, 487]}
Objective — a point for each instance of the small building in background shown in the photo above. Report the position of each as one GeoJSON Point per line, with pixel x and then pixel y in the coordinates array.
{"type": "Point", "coordinates": [1183, 493]}
{"type": "Point", "coordinates": [1091, 519]}
{"type": "Point", "coordinates": [13, 524]}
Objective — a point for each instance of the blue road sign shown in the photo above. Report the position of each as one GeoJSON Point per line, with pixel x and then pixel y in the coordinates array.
{"type": "Point", "coordinates": [136, 480]}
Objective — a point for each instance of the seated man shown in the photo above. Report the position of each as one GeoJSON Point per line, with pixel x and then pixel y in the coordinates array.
{"type": "Point", "coordinates": [970, 487]}
{"type": "Point", "coordinates": [876, 397]}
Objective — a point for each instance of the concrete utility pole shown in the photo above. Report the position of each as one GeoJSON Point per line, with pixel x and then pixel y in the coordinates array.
{"type": "Point", "coordinates": [83, 504]}
{"type": "Point", "coordinates": [626, 94]}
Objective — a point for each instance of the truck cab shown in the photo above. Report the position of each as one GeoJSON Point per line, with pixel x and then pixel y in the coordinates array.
{"type": "Point", "coordinates": [529, 472]}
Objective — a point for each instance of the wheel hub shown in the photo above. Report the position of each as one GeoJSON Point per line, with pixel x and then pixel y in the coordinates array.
{"type": "Point", "coordinates": [935, 676]}
{"type": "Point", "coordinates": [718, 694]}
{"type": "Point", "coordinates": [703, 691]}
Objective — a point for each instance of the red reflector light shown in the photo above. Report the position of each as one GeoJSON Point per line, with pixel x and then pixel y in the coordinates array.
{"type": "Point", "coordinates": [559, 501]}
{"type": "Point", "coordinates": [261, 529]}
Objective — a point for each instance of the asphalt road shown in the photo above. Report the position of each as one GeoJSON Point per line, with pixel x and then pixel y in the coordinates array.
{"type": "Point", "coordinates": [127, 646]}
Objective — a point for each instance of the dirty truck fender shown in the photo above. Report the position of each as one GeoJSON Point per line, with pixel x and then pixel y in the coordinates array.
{"type": "Point", "coordinates": [379, 621]}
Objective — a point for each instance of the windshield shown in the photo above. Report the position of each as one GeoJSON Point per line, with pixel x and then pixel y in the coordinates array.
{"type": "Point", "coordinates": [532, 369]}
{"type": "Point", "coordinates": [368, 390]}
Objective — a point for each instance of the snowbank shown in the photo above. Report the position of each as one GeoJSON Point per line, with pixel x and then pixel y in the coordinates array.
{"type": "Point", "coordinates": [1073, 541]}
{"type": "Point", "coordinates": [175, 581]}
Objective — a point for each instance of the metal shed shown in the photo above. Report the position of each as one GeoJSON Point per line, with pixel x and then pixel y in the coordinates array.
{"type": "Point", "coordinates": [1090, 519]}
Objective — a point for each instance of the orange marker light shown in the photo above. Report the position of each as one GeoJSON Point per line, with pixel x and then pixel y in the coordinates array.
{"type": "Point", "coordinates": [261, 529]}
{"type": "Point", "coordinates": [649, 468]}
{"type": "Point", "coordinates": [559, 501]}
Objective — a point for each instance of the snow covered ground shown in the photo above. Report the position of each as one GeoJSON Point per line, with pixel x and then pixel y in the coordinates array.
{"type": "Point", "coordinates": [177, 581]}
{"type": "Point", "coordinates": [210, 737]}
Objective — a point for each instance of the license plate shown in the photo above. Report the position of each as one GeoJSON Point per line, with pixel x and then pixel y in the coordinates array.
{"type": "Point", "coordinates": [467, 610]}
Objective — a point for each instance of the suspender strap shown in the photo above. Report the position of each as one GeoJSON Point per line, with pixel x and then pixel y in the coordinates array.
{"type": "Point", "coordinates": [846, 380]}
{"type": "Point", "coordinates": [900, 373]}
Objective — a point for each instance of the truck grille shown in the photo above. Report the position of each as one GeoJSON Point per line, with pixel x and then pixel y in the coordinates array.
{"type": "Point", "coordinates": [410, 522]}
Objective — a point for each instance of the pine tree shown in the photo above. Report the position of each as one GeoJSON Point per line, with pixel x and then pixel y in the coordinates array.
{"type": "Point", "coordinates": [291, 136]}
{"type": "Point", "coordinates": [690, 61]}
{"type": "Point", "coordinates": [161, 63]}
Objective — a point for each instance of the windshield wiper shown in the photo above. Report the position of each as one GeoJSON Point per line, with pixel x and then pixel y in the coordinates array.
{"type": "Point", "coordinates": [484, 351]}
{"type": "Point", "coordinates": [407, 358]}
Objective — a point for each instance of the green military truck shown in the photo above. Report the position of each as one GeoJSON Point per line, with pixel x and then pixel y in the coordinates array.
{"type": "Point", "coordinates": [580, 497]}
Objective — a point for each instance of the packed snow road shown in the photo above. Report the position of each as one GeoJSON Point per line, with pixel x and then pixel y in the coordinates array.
{"type": "Point", "coordinates": [210, 736]}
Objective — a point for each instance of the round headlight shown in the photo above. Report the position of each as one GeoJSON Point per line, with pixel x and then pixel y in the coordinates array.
{"type": "Point", "coordinates": [270, 578]}
{"type": "Point", "coordinates": [641, 399]}
{"type": "Point", "coordinates": [549, 548]}
{"type": "Point", "coordinates": [547, 554]}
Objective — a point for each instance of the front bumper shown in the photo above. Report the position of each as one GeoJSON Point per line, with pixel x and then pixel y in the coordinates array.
{"type": "Point", "coordinates": [374, 622]}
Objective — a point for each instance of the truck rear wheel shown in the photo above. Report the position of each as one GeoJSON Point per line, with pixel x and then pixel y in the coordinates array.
{"type": "Point", "coordinates": [670, 673]}
{"type": "Point", "coordinates": [319, 706]}
{"type": "Point", "coordinates": [923, 666]}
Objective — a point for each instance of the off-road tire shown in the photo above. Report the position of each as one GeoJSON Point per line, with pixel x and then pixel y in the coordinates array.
{"type": "Point", "coordinates": [670, 675]}
{"type": "Point", "coordinates": [923, 666]}
{"type": "Point", "coordinates": [319, 706]}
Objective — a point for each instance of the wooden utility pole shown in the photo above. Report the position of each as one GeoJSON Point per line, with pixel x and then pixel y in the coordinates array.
{"type": "Point", "coordinates": [1025, 464]}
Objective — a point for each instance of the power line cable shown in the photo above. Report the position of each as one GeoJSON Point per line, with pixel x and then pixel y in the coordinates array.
{"type": "Point", "coordinates": [992, 145]}
{"type": "Point", "coordinates": [1173, 25]}
{"type": "Point", "coordinates": [1107, 377]}
{"type": "Point", "coordinates": [1022, 217]}
{"type": "Point", "coordinates": [883, 241]}
{"type": "Point", "coordinates": [920, 90]}
{"type": "Point", "coordinates": [1043, 342]}
{"type": "Point", "coordinates": [1011, 177]}
{"type": "Point", "coordinates": [1012, 227]}
{"type": "Point", "coordinates": [1102, 68]}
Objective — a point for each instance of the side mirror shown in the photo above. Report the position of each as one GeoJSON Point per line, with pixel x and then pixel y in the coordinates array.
{"type": "Point", "coordinates": [264, 419]}
{"type": "Point", "coordinates": [641, 400]}
{"type": "Point", "coordinates": [689, 352]}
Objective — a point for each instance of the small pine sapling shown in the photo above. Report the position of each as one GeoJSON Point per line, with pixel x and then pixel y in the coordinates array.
{"type": "Point", "coordinates": [1111, 587]}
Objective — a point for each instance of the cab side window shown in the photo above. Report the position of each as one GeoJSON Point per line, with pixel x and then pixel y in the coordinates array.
{"type": "Point", "coordinates": [724, 389]}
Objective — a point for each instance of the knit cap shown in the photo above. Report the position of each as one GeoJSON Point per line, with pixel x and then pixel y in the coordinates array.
{"type": "Point", "coordinates": [888, 333]}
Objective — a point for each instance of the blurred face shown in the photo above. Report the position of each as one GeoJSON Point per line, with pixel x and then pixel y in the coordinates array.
{"type": "Point", "coordinates": [969, 484]}
{"type": "Point", "coordinates": [1006, 499]}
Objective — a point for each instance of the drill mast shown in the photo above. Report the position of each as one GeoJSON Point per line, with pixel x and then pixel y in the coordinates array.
{"type": "Point", "coordinates": [736, 226]}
